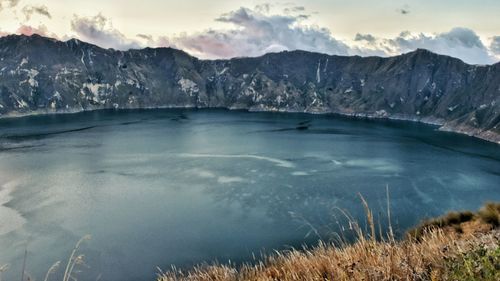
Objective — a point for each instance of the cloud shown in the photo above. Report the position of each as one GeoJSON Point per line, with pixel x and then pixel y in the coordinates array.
{"type": "Point", "coordinates": [8, 3]}
{"type": "Point", "coordinates": [29, 30]}
{"type": "Point", "coordinates": [495, 45]}
{"type": "Point", "coordinates": [263, 8]}
{"type": "Point", "coordinates": [100, 31]}
{"type": "Point", "coordinates": [295, 9]}
{"type": "Point", "coordinates": [253, 33]}
{"type": "Point", "coordinates": [146, 40]}
{"type": "Point", "coordinates": [145, 37]}
{"type": "Point", "coordinates": [298, 9]}
{"type": "Point", "coordinates": [42, 10]}
{"type": "Point", "coordinates": [459, 42]}
{"type": "Point", "coordinates": [365, 37]}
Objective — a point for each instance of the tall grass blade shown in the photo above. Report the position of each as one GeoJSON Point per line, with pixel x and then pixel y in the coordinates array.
{"type": "Point", "coordinates": [24, 262]}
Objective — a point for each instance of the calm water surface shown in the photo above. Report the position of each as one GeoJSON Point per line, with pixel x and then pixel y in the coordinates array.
{"type": "Point", "coordinates": [162, 187]}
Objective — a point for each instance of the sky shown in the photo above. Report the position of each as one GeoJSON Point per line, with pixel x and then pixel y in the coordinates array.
{"type": "Point", "coordinates": [469, 30]}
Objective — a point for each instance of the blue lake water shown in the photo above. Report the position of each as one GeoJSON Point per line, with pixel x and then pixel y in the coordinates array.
{"type": "Point", "coordinates": [157, 188]}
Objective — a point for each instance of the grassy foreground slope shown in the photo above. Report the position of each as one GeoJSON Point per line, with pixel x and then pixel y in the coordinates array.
{"type": "Point", "coordinates": [457, 246]}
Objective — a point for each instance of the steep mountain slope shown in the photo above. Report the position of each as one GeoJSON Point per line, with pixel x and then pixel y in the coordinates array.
{"type": "Point", "coordinates": [39, 74]}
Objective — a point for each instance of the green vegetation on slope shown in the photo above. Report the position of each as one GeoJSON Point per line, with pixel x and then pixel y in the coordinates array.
{"type": "Point", "coordinates": [481, 264]}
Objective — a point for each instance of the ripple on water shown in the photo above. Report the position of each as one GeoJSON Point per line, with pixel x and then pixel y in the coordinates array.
{"type": "Point", "coordinates": [276, 161]}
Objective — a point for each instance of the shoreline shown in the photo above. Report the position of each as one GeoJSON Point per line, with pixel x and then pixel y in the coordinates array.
{"type": "Point", "coordinates": [440, 123]}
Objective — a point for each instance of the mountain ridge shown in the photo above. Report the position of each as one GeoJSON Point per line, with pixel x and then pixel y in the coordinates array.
{"type": "Point", "coordinates": [44, 75]}
{"type": "Point", "coordinates": [78, 41]}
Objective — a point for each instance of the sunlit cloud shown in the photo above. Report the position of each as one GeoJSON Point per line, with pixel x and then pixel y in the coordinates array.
{"type": "Point", "coordinates": [254, 33]}
{"type": "Point", "coordinates": [41, 29]}
{"type": "Point", "coordinates": [99, 30]}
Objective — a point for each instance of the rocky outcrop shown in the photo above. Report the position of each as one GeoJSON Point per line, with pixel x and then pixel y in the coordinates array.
{"type": "Point", "coordinates": [39, 74]}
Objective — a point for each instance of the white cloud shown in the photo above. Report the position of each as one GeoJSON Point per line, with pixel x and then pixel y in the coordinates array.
{"type": "Point", "coordinates": [100, 31]}
{"type": "Point", "coordinates": [459, 42]}
{"type": "Point", "coordinates": [8, 3]}
{"type": "Point", "coordinates": [253, 33]}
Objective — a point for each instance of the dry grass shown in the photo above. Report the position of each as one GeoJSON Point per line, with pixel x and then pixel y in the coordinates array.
{"type": "Point", "coordinates": [490, 214]}
{"type": "Point", "coordinates": [462, 222]}
{"type": "Point", "coordinates": [364, 260]}
{"type": "Point", "coordinates": [433, 256]}
{"type": "Point", "coordinates": [75, 259]}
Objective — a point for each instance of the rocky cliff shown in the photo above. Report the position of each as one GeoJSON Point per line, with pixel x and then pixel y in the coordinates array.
{"type": "Point", "coordinates": [39, 74]}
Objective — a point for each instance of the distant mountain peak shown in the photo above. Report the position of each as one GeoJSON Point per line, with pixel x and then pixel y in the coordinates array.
{"type": "Point", "coordinates": [423, 53]}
